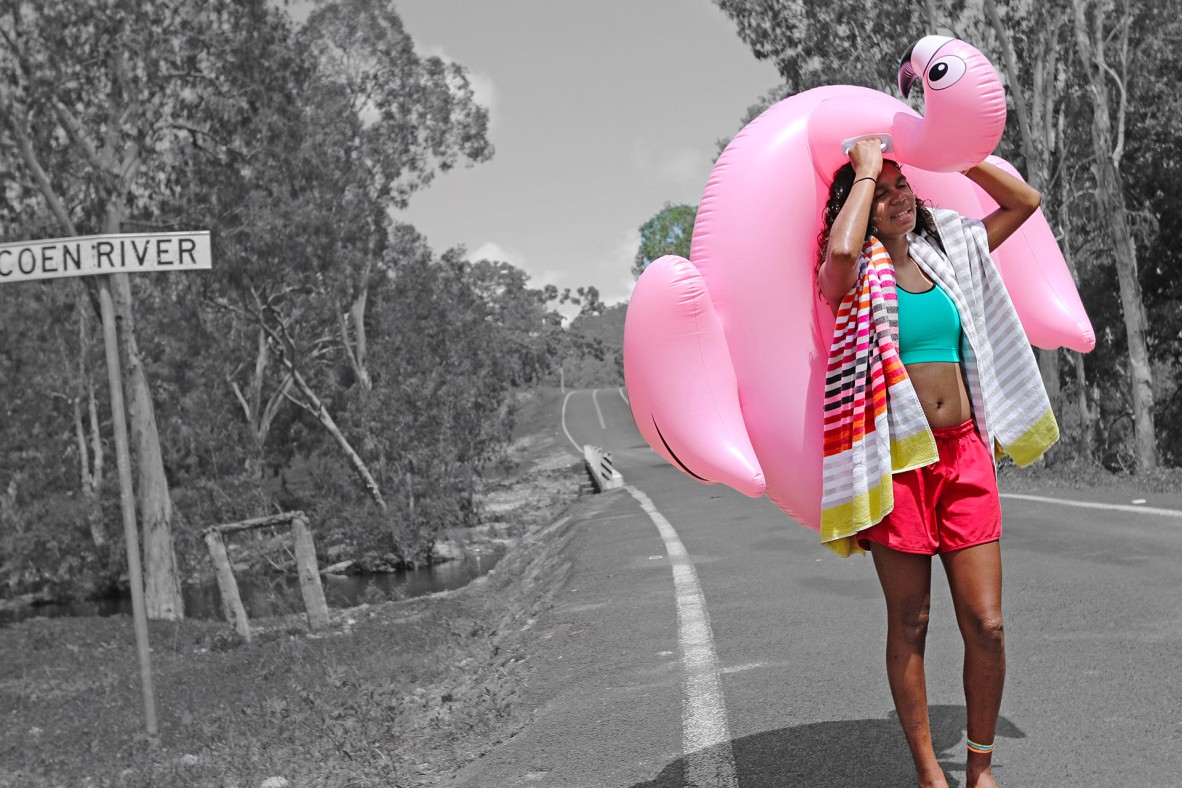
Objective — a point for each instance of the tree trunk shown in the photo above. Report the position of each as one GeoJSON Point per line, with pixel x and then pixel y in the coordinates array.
{"type": "Point", "coordinates": [1114, 214]}
{"type": "Point", "coordinates": [8, 509]}
{"type": "Point", "coordinates": [162, 587]}
{"type": "Point", "coordinates": [259, 417]}
{"type": "Point", "coordinates": [90, 457]}
{"type": "Point", "coordinates": [1085, 445]}
{"type": "Point", "coordinates": [357, 313]}
{"type": "Point", "coordinates": [1087, 416]}
{"type": "Point", "coordinates": [94, 512]}
{"type": "Point", "coordinates": [1048, 367]}
{"type": "Point", "coordinates": [313, 405]}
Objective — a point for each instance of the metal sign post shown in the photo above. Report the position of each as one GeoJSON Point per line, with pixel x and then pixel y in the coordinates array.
{"type": "Point", "coordinates": [111, 255]}
{"type": "Point", "coordinates": [127, 503]}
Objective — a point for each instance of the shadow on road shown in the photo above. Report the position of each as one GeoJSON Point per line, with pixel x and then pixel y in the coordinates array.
{"type": "Point", "coordinates": [845, 753]}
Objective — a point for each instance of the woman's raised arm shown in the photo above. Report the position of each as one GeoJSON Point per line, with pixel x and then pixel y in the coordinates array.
{"type": "Point", "coordinates": [839, 271]}
{"type": "Point", "coordinates": [1016, 201]}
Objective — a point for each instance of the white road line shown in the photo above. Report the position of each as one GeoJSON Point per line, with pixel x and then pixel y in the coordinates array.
{"type": "Point", "coordinates": [706, 738]}
{"type": "Point", "coordinates": [598, 412]}
{"type": "Point", "coordinates": [578, 448]}
{"type": "Point", "coordinates": [1111, 507]}
{"type": "Point", "coordinates": [624, 396]}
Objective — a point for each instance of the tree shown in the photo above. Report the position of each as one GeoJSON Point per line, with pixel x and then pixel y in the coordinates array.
{"type": "Point", "coordinates": [670, 231]}
{"type": "Point", "coordinates": [1102, 31]}
{"type": "Point", "coordinates": [529, 330]}
{"type": "Point", "coordinates": [596, 355]}
{"type": "Point", "coordinates": [415, 116]}
{"type": "Point", "coordinates": [822, 42]}
{"type": "Point", "coordinates": [1035, 47]}
{"type": "Point", "coordinates": [100, 100]}
{"type": "Point", "coordinates": [359, 126]}
{"type": "Point", "coordinates": [438, 412]}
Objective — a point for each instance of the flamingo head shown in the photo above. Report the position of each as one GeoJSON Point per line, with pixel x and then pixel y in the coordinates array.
{"type": "Point", "coordinates": [964, 104]}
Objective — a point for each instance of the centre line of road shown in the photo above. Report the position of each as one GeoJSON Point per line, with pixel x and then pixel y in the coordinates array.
{"type": "Point", "coordinates": [1112, 507]}
{"type": "Point", "coordinates": [705, 737]}
{"type": "Point", "coordinates": [624, 396]}
{"type": "Point", "coordinates": [578, 448]}
{"type": "Point", "coordinates": [598, 412]}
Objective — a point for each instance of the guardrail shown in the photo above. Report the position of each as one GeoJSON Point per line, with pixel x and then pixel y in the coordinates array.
{"type": "Point", "coordinates": [600, 468]}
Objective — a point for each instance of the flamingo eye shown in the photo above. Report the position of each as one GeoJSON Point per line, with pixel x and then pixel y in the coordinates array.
{"type": "Point", "coordinates": [945, 72]}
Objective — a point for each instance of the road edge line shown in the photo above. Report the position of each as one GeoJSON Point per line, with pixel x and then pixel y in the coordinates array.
{"type": "Point", "coordinates": [598, 412]}
{"type": "Point", "coordinates": [578, 448]}
{"type": "Point", "coordinates": [706, 738]}
{"type": "Point", "coordinates": [1111, 507]}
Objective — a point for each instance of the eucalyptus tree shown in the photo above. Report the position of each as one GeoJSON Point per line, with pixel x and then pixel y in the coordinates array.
{"type": "Point", "coordinates": [1103, 35]}
{"type": "Point", "coordinates": [352, 128]}
{"type": "Point", "coordinates": [416, 117]}
{"type": "Point", "coordinates": [525, 319]}
{"type": "Point", "coordinates": [438, 412]}
{"type": "Point", "coordinates": [102, 104]}
{"type": "Point", "coordinates": [825, 42]}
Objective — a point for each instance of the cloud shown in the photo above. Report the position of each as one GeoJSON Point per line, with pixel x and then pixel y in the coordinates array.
{"type": "Point", "coordinates": [608, 267]}
{"type": "Point", "coordinates": [491, 250]}
{"type": "Point", "coordinates": [679, 165]}
{"type": "Point", "coordinates": [617, 271]}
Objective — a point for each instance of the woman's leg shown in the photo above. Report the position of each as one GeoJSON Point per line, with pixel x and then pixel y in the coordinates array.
{"type": "Point", "coordinates": [906, 581]}
{"type": "Point", "coordinates": [974, 575]}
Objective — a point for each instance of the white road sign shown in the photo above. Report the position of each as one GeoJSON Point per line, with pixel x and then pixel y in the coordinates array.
{"type": "Point", "coordinates": [87, 255]}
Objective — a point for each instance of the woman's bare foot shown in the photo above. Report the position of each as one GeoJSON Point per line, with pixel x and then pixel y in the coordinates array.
{"type": "Point", "coordinates": [934, 778]}
{"type": "Point", "coordinates": [978, 771]}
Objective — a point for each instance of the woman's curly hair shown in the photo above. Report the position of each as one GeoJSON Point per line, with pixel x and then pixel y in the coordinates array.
{"type": "Point", "coordinates": [839, 192]}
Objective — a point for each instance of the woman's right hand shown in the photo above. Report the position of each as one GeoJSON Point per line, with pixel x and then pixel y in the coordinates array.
{"type": "Point", "coordinates": [866, 156]}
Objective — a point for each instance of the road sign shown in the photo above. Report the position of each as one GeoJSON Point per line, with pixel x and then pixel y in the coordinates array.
{"type": "Point", "coordinates": [87, 255]}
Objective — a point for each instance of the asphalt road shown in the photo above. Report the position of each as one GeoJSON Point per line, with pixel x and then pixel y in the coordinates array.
{"type": "Point", "coordinates": [793, 642]}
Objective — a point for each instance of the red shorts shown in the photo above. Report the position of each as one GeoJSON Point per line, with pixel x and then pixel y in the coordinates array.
{"type": "Point", "coordinates": [948, 505]}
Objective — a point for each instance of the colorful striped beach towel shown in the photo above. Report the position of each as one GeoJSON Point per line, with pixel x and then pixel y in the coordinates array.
{"type": "Point", "coordinates": [874, 424]}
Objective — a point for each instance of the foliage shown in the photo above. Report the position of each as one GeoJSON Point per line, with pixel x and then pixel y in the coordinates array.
{"type": "Point", "coordinates": [669, 232]}
{"type": "Point", "coordinates": [817, 42]}
{"type": "Point", "coordinates": [598, 358]}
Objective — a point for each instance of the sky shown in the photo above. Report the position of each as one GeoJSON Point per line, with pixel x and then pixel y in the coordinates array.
{"type": "Point", "coordinates": [601, 112]}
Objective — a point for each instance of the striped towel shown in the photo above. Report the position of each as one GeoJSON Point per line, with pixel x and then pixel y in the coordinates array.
{"type": "Point", "coordinates": [874, 424]}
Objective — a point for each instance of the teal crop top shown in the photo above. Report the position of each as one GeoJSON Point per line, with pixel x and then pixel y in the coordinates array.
{"type": "Point", "coordinates": [929, 326]}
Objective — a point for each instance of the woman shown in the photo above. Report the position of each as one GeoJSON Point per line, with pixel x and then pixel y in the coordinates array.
{"type": "Point", "coordinates": [948, 507]}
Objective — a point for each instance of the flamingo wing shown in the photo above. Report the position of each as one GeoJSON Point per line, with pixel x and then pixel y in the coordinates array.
{"type": "Point", "coordinates": [681, 381]}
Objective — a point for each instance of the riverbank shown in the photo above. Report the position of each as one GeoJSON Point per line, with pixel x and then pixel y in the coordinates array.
{"type": "Point", "coordinates": [393, 693]}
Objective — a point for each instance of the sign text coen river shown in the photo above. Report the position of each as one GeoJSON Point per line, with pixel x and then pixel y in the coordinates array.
{"type": "Point", "coordinates": [104, 254]}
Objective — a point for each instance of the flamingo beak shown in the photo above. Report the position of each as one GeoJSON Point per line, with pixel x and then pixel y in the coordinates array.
{"type": "Point", "coordinates": [907, 75]}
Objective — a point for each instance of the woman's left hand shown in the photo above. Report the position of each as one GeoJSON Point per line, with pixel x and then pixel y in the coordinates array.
{"type": "Point", "coordinates": [1017, 201]}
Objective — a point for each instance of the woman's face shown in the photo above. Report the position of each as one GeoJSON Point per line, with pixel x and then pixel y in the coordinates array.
{"type": "Point", "coordinates": [893, 214]}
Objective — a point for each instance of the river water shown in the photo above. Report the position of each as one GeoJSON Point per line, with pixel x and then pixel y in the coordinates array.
{"type": "Point", "coordinates": [272, 596]}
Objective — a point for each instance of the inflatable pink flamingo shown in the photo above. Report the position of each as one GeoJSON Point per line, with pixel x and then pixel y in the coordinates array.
{"type": "Point", "coordinates": [725, 356]}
